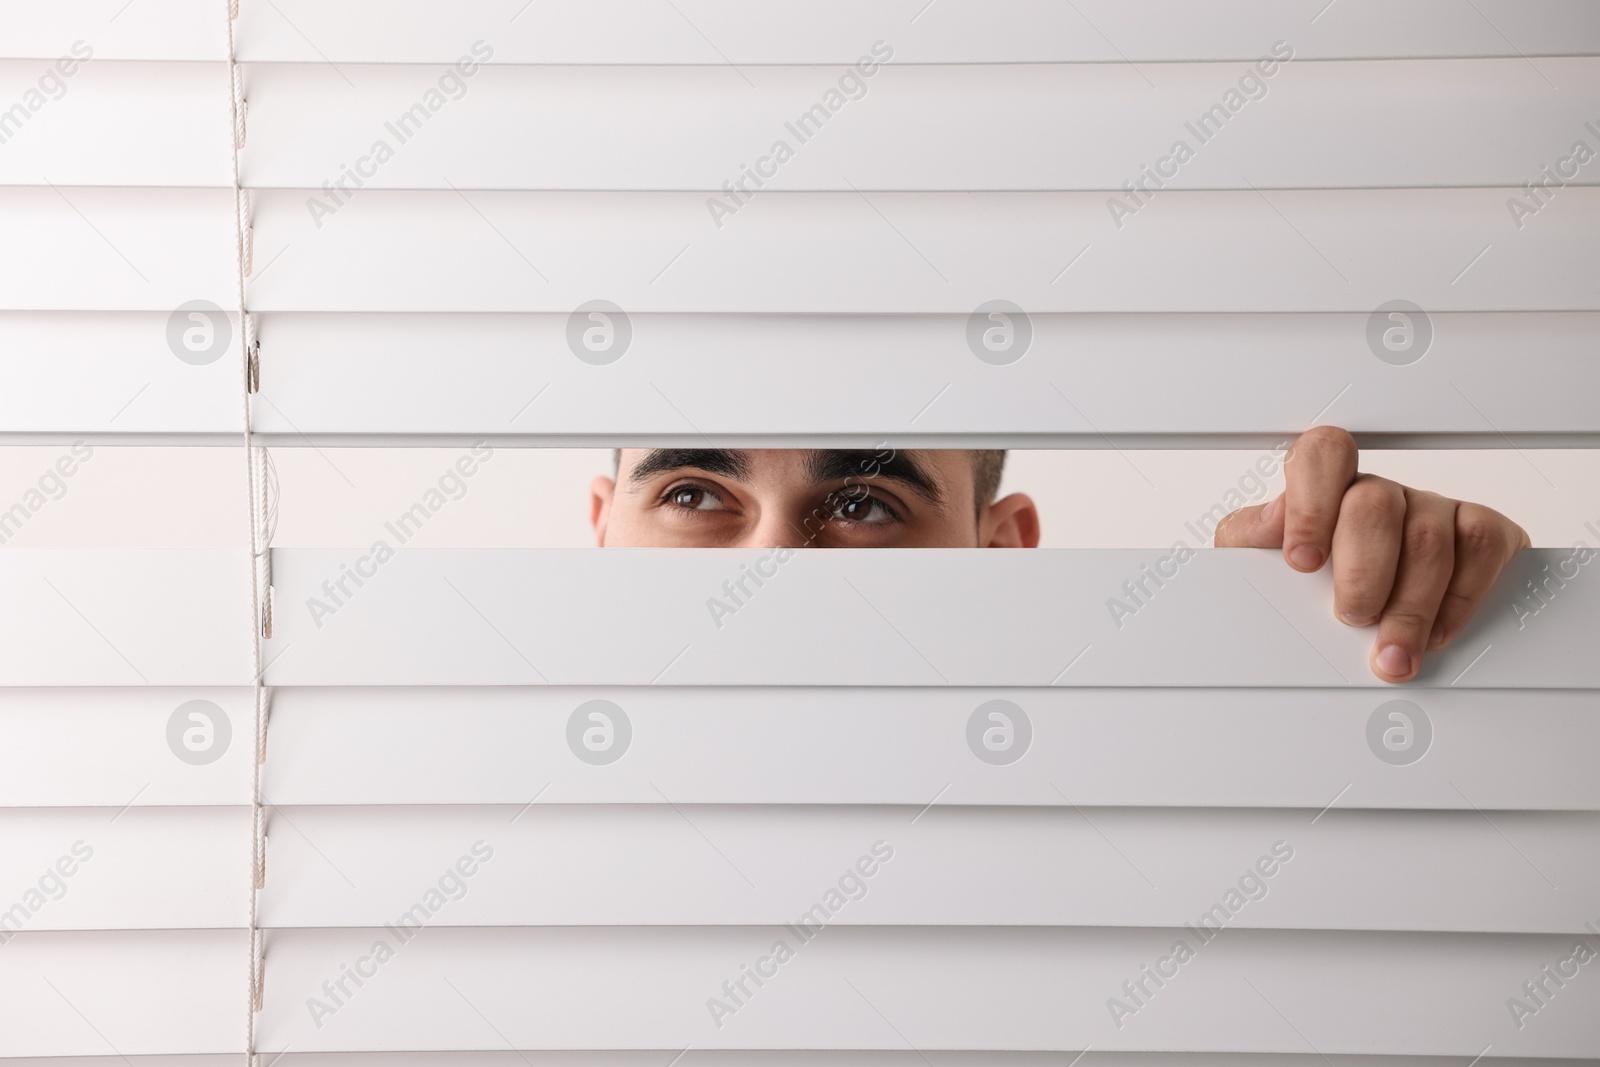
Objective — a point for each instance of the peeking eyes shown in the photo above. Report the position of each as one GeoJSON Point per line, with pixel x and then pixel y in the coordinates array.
{"type": "Point", "coordinates": [855, 505]}
{"type": "Point", "coordinates": [692, 497]}
{"type": "Point", "coordinates": [860, 506]}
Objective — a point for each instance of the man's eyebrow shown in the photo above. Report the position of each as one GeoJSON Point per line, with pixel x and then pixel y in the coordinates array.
{"type": "Point", "coordinates": [725, 461]}
{"type": "Point", "coordinates": [859, 465]}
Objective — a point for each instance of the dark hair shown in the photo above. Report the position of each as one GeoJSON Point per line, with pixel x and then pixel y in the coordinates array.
{"type": "Point", "coordinates": [987, 466]}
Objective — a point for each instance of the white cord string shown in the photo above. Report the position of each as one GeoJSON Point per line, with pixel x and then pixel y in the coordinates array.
{"type": "Point", "coordinates": [262, 482]}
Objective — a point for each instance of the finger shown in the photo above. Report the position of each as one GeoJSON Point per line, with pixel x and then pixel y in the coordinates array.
{"type": "Point", "coordinates": [1366, 548]}
{"type": "Point", "coordinates": [1427, 561]}
{"type": "Point", "coordinates": [1317, 471]}
{"type": "Point", "coordinates": [1258, 526]}
{"type": "Point", "coordinates": [1485, 542]}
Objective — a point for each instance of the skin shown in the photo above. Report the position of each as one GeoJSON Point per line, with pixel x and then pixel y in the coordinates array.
{"type": "Point", "coordinates": [1412, 564]}
{"type": "Point", "coordinates": [778, 500]}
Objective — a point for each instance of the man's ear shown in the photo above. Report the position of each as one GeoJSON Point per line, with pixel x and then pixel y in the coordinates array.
{"type": "Point", "coordinates": [601, 490]}
{"type": "Point", "coordinates": [1012, 522]}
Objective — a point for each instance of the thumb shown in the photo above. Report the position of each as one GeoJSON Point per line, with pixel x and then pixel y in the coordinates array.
{"type": "Point", "coordinates": [1258, 526]}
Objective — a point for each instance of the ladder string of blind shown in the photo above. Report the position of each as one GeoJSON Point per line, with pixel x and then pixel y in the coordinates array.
{"type": "Point", "coordinates": [258, 479]}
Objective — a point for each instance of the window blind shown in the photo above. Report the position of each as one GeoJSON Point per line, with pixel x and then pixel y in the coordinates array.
{"type": "Point", "coordinates": [579, 815]}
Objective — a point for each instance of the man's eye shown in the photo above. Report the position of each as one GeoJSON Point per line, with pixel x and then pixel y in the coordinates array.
{"type": "Point", "coordinates": [862, 508]}
{"type": "Point", "coordinates": [693, 498]}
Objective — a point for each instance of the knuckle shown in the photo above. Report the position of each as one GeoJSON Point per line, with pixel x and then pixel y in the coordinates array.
{"type": "Point", "coordinates": [1310, 519]}
{"type": "Point", "coordinates": [1364, 601]}
{"type": "Point", "coordinates": [1359, 607]}
{"type": "Point", "coordinates": [1374, 503]}
{"type": "Point", "coordinates": [1407, 620]}
{"type": "Point", "coordinates": [1308, 527]}
{"type": "Point", "coordinates": [1427, 541]}
{"type": "Point", "coordinates": [1481, 532]}
{"type": "Point", "coordinates": [1365, 587]}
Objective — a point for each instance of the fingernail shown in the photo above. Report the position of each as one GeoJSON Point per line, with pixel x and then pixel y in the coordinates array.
{"type": "Point", "coordinates": [1270, 512]}
{"type": "Point", "coordinates": [1306, 557]}
{"type": "Point", "coordinates": [1394, 661]}
{"type": "Point", "coordinates": [1351, 619]}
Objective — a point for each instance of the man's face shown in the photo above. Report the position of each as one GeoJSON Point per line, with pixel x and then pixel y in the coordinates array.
{"type": "Point", "coordinates": [802, 498]}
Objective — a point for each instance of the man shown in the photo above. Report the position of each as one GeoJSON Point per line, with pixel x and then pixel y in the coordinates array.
{"type": "Point", "coordinates": [1411, 563]}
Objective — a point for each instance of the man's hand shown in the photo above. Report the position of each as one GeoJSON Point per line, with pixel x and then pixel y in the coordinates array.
{"type": "Point", "coordinates": [1413, 563]}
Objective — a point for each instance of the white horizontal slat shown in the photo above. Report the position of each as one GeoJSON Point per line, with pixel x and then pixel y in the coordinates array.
{"type": "Point", "coordinates": [123, 868]}
{"type": "Point", "coordinates": [833, 31]}
{"type": "Point", "coordinates": [137, 992]}
{"type": "Point", "coordinates": [86, 617]}
{"type": "Point", "coordinates": [115, 29]}
{"type": "Point", "coordinates": [778, 1058]}
{"type": "Point", "coordinates": [112, 376]}
{"type": "Point", "coordinates": [1025, 988]}
{"type": "Point", "coordinates": [956, 31]}
{"type": "Point", "coordinates": [1318, 125]}
{"type": "Point", "coordinates": [875, 617]}
{"type": "Point", "coordinates": [110, 748]}
{"type": "Point", "coordinates": [128, 1061]}
{"type": "Point", "coordinates": [1287, 250]}
{"type": "Point", "coordinates": [1116, 375]}
{"type": "Point", "coordinates": [1493, 749]}
{"type": "Point", "coordinates": [117, 249]}
{"type": "Point", "coordinates": [664, 865]}
{"type": "Point", "coordinates": [112, 373]}
{"type": "Point", "coordinates": [116, 123]}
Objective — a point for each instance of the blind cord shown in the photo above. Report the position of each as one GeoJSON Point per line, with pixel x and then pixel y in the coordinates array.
{"type": "Point", "coordinates": [260, 478]}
